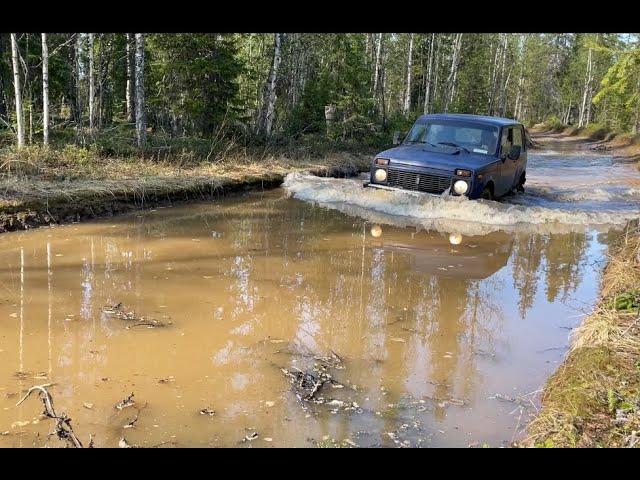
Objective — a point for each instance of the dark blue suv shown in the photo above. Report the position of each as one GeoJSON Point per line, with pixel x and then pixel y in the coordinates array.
{"type": "Point", "coordinates": [472, 155]}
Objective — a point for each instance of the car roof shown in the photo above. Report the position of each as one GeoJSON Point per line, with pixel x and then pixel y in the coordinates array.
{"type": "Point", "coordinates": [498, 121]}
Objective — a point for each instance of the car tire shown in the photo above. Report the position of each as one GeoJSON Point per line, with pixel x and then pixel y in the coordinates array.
{"type": "Point", "coordinates": [487, 194]}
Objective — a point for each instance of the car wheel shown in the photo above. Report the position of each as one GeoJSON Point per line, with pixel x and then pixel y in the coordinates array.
{"type": "Point", "coordinates": [487, 194]}
{"type": "Point", "coordinates": [520, 186]}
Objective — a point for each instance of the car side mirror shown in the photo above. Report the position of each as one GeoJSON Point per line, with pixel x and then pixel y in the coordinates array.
{"type": "Point", "coordinates": [396, 138]}
{"type": "Point", "coordinates": [514, 152]}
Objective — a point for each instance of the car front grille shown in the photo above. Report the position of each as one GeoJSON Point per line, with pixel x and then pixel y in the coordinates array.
{"type": "Point", "coordinates": [422, 182]}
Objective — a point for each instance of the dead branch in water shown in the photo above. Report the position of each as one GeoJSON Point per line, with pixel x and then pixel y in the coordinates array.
{"type": "Point", "coordinates": [63, 429]}
{"type": "Point", "coordinates": [126, 402]}
{"type": "Point", "coordinates": [121, 313]}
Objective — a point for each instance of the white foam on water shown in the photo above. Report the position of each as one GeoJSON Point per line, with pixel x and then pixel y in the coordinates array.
{"type": "Point", "coordinates": [446, 212]}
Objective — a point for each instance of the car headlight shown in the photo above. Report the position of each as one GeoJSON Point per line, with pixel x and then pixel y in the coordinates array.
{"type": "Point", "coordinates": [460, 187]}
{"type": "Point", "coordinates": [380, 175]}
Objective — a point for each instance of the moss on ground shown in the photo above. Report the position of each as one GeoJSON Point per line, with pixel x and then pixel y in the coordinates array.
{"type": "Point", "coordinates": [593, 400]}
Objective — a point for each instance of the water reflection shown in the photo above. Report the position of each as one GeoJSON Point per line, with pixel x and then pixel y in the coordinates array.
{"type": "Point", "coordinates": [256, 283]}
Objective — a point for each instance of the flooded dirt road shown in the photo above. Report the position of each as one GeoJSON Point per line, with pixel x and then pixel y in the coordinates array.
{"type": "Point", "coordinates": [264, 320]}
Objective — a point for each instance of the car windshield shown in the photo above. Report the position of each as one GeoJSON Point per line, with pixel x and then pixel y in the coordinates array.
{"type": "Point", "coordinates": [472, 137]}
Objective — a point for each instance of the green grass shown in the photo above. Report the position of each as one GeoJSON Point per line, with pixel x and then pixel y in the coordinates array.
{"type": "Point", "coordinates": [594, 397]}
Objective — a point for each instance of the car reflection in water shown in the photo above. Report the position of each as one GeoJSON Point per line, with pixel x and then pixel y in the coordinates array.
{"type": "Point", "coordinates": [449, 255]}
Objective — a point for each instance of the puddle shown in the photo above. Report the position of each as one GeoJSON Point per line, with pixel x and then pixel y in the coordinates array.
{"type": "Point", "coordinates": [443, 338]}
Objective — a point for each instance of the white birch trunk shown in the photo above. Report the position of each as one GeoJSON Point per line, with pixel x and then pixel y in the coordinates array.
{"type": "Point", "coordinates": [141, 121]}
{"type": "Point", "coordinates": [130, 95]}
{"type": "Point", "coordinates": [78, 68]}
{"type": "Point", "coordinates": [636, 124]}
{"type": "Point", "coordinates": [92, 84]}
{"type": "Point", "coordinates": [494, 75]}
{"type": "Point", "coordinates": [520, 87]}
{"type": "Point", "coordinates": [427, 91]}
{"type": "Point", "coordinates": [451, 81]}
{"type": "Point", "coordinates": [45, 90]}
{"type": "Point", "coordinates": [407, 93]}
{"type": "Point", "coordinates": [17, 90]}
{"type": "Point", "coordinates": [265, 122]}
{"type": "Point", "coordinates": [376, 74]}
{"type": "Point", "coordinates": [585, 107]}
{"type": "Point", "coordinates": [503, 82]}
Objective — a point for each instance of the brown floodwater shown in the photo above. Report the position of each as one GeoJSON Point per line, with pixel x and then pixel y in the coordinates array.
{"type": "Point", "coordinates": [435, 339]}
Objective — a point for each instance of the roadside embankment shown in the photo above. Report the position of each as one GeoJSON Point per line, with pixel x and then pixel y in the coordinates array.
{"type": "Point", "coordinates": [104, 187]}
{"type": "Point", "coordinates": [593, 399]}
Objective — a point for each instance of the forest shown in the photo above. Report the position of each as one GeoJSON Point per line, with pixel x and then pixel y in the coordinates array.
{"type": "Point", "coordinates": [160, 93]}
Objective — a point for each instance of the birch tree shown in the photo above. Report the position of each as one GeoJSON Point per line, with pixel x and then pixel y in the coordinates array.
{"type": "Point", "coordinates": [130, 95]}
{"type": "Point", "coordinates": [265, 120]}
{"type": "Point", "coordinates": [429, 81]}
{"type": "Point", "coordinates": [376, 71]}
{"type": "Point", "coordinates": [141, 121]}
{"type": "Point", "coordinates": [92, 84]}
{"type": "Point", "coordinates": [407, 93]}
{"type": "Point", "coordinates": [520, 86]}
{"type": "Point", "coordinates": [17, 89]}
{"type": "Point", "coordinates": [45, 90]}
{"type": "Point", "coordinates": [453, 72]}
{"type": "Point", "coordinates": [585, 108]}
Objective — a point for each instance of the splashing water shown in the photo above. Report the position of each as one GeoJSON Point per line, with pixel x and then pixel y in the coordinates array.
{"type": "Point", "coordinates": [563, 193]}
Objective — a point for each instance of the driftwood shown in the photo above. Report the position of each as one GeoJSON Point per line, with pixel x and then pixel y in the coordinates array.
{"type": "Point", "coordinates": [126, 402]}
{"type": "Point", "coordinates": [63, 429]}
{"type": "Point", "coordinates": [121, 313]}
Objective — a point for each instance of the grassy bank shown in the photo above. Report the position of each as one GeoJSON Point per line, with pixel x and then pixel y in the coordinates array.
{"type": "Point", "coordinates": [68, 182]}
{"type": "Point", "coordinates": [594, 397]}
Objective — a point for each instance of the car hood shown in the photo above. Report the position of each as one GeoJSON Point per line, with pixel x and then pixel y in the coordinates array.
{"type": "Point", "coordinates": [425, 156]}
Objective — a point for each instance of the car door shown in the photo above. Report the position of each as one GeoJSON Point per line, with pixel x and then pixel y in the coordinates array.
{"type": "Point", "coordinates": [520, 140]}
{"type": "Point", "coordinates": [508, 167]}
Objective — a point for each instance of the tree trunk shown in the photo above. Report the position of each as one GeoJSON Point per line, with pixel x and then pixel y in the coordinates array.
{"type": "Point", "coordinates": [92, 84]}
{"type": "Point", "coordinates": [636, 124]}
{"type": "Point", "coordinates": [504, 82]}
{"type": "Point", "coordinates": [453, 73]}
{"type": "Point", "coordinates": [585, 109]}
{"type": "Point", "coordinates": [520, 86]}
{"type": "Point", "coordinates": [78, 67]}
{"type": "Point", "coordinates": [17, 89]}
{"type": "Point", "coordinates": [427, 92]}
{"type": "Point", "coordinates": [376, 71]}
{"type": "Point", "coordinates": [45, 90]}
{"type": "Point", "coordinates": [141, 121]}
{"type": "Point", "coordinates": [265, 121]}
{"type": "Point", "coordinates": [4, 114]}
{"type": "Point", "coordinates": [407, 93]}
{"type": "Point", "coordinates": [130, 96]}
{"type": "Point", "coordinates": [494, 75]}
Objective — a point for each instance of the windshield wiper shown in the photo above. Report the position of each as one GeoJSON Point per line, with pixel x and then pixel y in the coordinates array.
{"type": "Point", "coordinates": [422, 142]}
{"type": "Point", "coordinates": [451, 144]}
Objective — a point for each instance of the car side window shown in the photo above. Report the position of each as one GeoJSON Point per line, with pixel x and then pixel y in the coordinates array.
{"type": "Point", "coordinates": [517, 137]}
{"type": "Point", "coordinates": [506, 141]}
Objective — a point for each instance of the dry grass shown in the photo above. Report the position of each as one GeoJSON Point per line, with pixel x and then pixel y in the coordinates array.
{"type": "Point", "coordinates": [37, 175]}
{"type": "Point", "coordinates": [41, 185]}
{"type": "Point", "coordinates": [594, 397]}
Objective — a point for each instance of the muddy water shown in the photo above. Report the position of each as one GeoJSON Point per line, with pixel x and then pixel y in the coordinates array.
{"type": "Point", "coordinates": [431, 337]}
